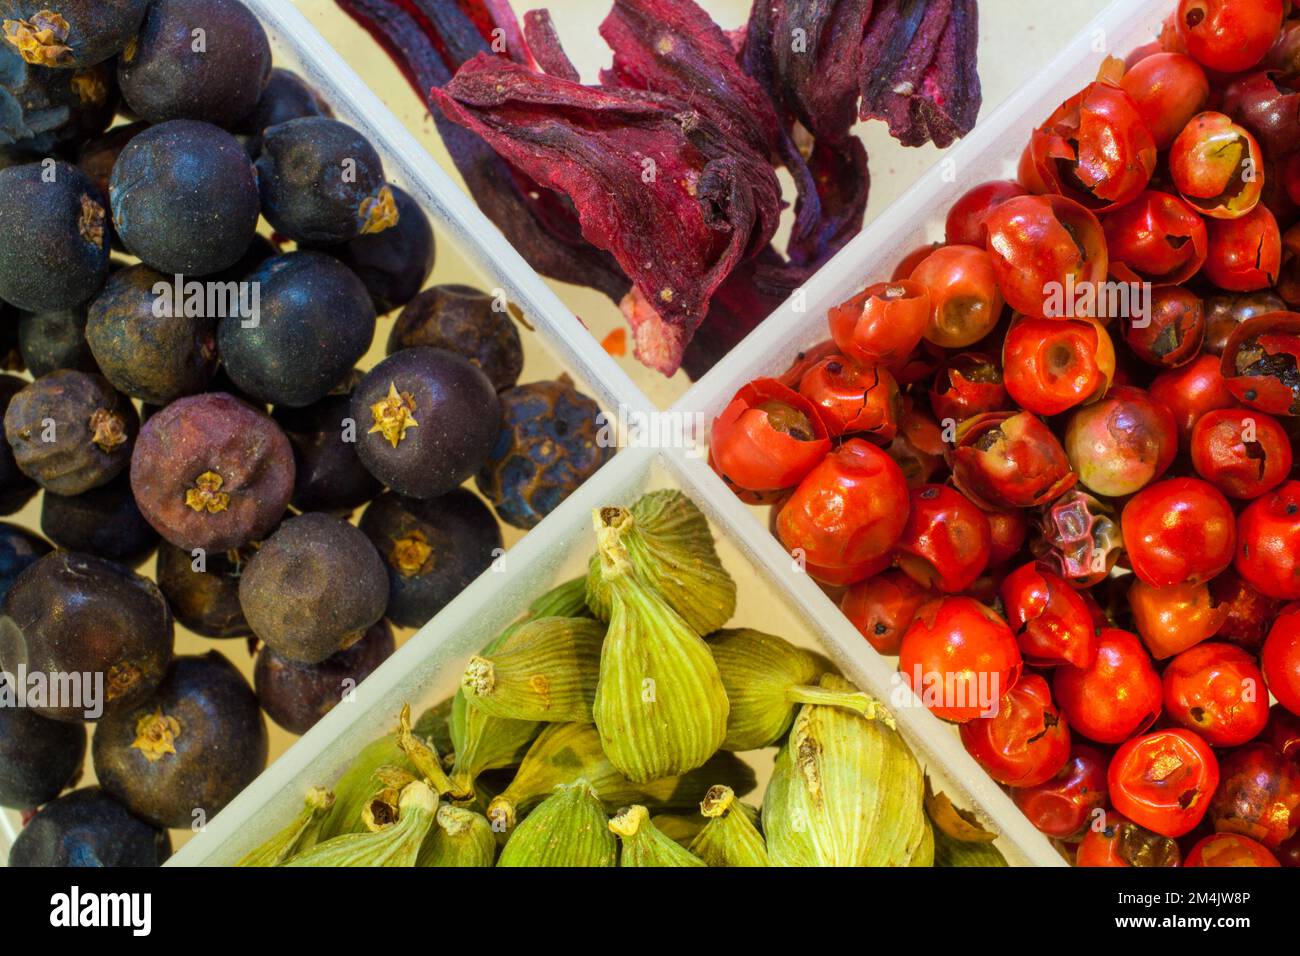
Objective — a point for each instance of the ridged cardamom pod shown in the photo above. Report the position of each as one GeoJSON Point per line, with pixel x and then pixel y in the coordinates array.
{"type": "Point", "coordinates": [767, 678]}
{"type": "Point", "coordinates": [846, 791]}
{"type": "Point", "coordinates": [427, 762]}
{"type": "Point", "coordinates": [359, 785]}
{"type": "Point", "coordinates": [434, 725]}
{"type": "Point", "coordinates": [643, 844]}
{"type": "Point", "coordinates": [564, 600]}
{"type": "Point", "coordinates": [482, 742]}
{"type": "Point", "coordinates": [660, 707]}
{"type": "Point", "coordinates": [668, 541]}
{"type": "Point", "coordinates": [395, 845]}
{"type": "Point", "coordinates": [568, 828]}
{"type": "Point", "coordinates": [924, 854]}
{"type": "Point", "coordinates": [679, 828]}
{"type": "Point", "coordinates": [729, 838]}
{"type": "Point", "coordinates": [298, 836]}
{"type": "Point", "coordinates": [545, 670]}
{"type": "Point", "coordinates": [459, 838]}
{"type": "Point", "coordinates": [565, 753]}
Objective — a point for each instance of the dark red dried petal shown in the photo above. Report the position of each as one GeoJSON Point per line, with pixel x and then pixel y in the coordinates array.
{"type": "Point", "coordinates": [539, 224]}
{"type": "Point", "coordinates": [673, 47]}
{"type": "Point", "coordinates": [677, 227]}
{"type": "Point", "coordinates": [544, 44]}
{"type": "Point", "coordinates": [919, 69]}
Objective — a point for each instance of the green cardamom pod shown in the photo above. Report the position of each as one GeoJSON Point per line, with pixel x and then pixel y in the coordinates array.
{"type": "Point", "coordinates": [546, 670]}
{"type": "Point", "coordinates": [767, 678]}
{"type": "Point", "coordinates": [434, 725]}
{"type": "Point", "coordinates": [565, 600]}
{"type": "Point", "coordinates": [924, 854]}
{"type": "Point", "coordinates": [482, 742]}
{"type": "Point", "coordinates": [360, 784]}
{"type": "Point", "coordinates": [729, 838]}
{"type": "Point", "coordinates": [395, 845]}
{"type": "Point", "coordinates": [643, 844]}
{"type": "Point", "coordinates": [660, 706]}
{"type": "Point", "coordinates": [845, 791]}
{"type": "Point", "coordinates": [296, 837]}
{"type": "Point", "coordinates": [668, 541]}
{"type": "Point", "coordinates": [568, 828]}
{"type": "Point", "coordinates": [459, 838]}
{"type": "Point", "coordinates": [565, 753]}
{"type": "Point", "coordinates": [427, 762]}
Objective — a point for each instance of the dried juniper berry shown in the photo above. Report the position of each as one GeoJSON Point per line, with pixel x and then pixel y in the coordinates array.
{"type": "Point", "coordinates": [71, 431]}
{"type": "Point", "coordinates": [432, 549]}
{"type": "Point", "coordinates": [330, 476]}
{"type": "Point", "coordinates": [550, 443]}
{"type": "Point", "coordinates": [184, 198]}
{"type": "Point", "coordinates": [189, 749]}
{"type": "Point", "coordinates": [203, 589]}
{"type": "Point", "coordinates": [464, 320]}
{"type": "Point", "coordinates": [53, 236]}
{"type": "Point", "coordinates": [19, 548]}
{"type": "Point", "coordinates": [323, 182]}
{"type": "Point", "coordinates": [426, 420]}
{"type": "Point", "coordinates": [313, 588]}
{"type": "Point", "coordinates": [314, 322]}
{"type": "Point", "coordinates": [16, 489]}
{"type": "Point", "coordinates": [296, 695]}
{"type": "Point", "coordinates": [97, 157]}
{"type": "Point", "coordinates": [50, 341]}
{"type": "Point", "coordinates": [393, 264]}
{"type": "Point", "coordinates": [212, 472]}
{"type": "Point", "coordinates": [286, 97]}
{"type": "Point", "coordinates": [149, 341]}
{"type": "Point", "coordinates": [104, 521]}
{"type": "Point", "coordinates": [43, 111]}
{"type": "Point", "coordinates": [72, 613]}
{"type": "Point", "coordinates": [69, 34]}
{"type": "Point", "coordinates": [204, 60]}
{"type": "Point", "coordinates": [89, 828]}
{"type": "Point", "coordinates": [39, 757]}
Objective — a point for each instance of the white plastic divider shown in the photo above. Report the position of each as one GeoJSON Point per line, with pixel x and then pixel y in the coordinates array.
{"type": "Point", "coordinates": [295, 39]}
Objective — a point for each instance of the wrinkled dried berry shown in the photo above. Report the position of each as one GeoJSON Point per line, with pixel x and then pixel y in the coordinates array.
{"type": "Point", "coordinates": [313, 588]}
{"type": "Point", "coordinates": [393, 264]}
{"type": "Point", "coordinates": [39, 757]}
{"type": "Point", "coordinates": [43, 110]}
{"type": "Point", "coordinates": [150, 346]}
{"type": "Point", "coordinates": [330, 476]}
{"type": "Point", "coordinates": [204, 601]}
{"type": "Point", "coordinates": [179, 757]}
{"type": "Point", "coordinates": [53, 236]}
{"type": "Point", "coordinates": [104, 521]}
{"type": "Point", "coordinates": [89, 828]}
{"type": "Point", "coordinates": [184, 198]}
{"type": "Point", "coordinates": [70, 33]}
{"type": "Point", "coordinates": [296, 695]}
{"type": "Point", "coordinates": [97, 157]}
{"type": "Point", "coordinates": [211, 472]}
{"type": "Point", "coordinates": [167, 73]}
{"type": "Point", "coordinates": [426, 420]}
{"type": "Point", "coordinates": [76, 614]}
{"type": "Point", "coordinates": [322, 182]}
{"type": "Point", "coordinates": [315, 322]}
{"type": "Point", "coordinates": [19, 548]}
{"type": "Point", "coordinates": [70, 431]}
{"type": "Point", "coordinates": [432, 549]}
{"type": "Point", "coordinates": [16, 489]}
{"type": "Point", "coordinates": [464, 320]}
{"type": "Point", "coordinates": [549, 444]}
{"type": "Point", "coordinates": [50, 341]}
